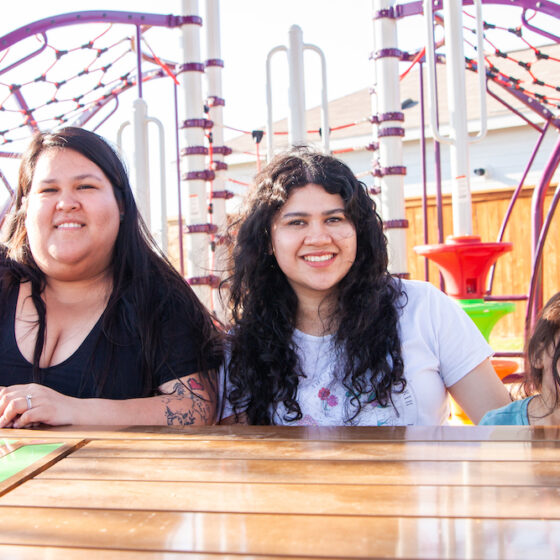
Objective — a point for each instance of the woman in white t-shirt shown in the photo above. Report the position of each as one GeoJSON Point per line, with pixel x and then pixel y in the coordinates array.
{"type": "Point", "coordinates": [322, 334]}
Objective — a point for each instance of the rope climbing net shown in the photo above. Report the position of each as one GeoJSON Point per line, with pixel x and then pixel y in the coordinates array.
{"type": "Point", "coordinates": [53, 76]}
{"type": "Point", "coordinates": [524, 71]}
{"type": "Point", "coordinates": [527, 70]}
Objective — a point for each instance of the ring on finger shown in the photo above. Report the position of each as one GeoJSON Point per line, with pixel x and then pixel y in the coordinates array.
{"type": "Point", "coordinates": [29, 402]}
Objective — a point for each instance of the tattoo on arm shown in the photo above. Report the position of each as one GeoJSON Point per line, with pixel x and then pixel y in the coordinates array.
{"type": "Point", "coordinates": [179, 418]}
{"type": "Point", "coordinates": [179, 389]}
{"type": "Point", "coordinates": [198, 411]}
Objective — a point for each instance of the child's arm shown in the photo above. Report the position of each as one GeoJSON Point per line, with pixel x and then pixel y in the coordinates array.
{"type": "Point", "coordinates": [479, 391]}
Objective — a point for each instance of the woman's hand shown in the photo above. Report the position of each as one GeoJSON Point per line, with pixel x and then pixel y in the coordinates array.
{"type": "Point", "coordinates": [184, 402]}
{"type": "Point", "coordinates": [24, 406]}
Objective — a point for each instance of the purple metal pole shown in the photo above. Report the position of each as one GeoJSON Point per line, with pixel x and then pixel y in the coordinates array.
{"type": "Point", "coordinates": [513, 200]}
{"type": "Point", "coordinates": [424, 177]}
{"type": "Point", "coordinates": [542, 32]}
{"type": "Point", "coordinates": [25, 58]}
{"type": "Point", "coordinates": [534, 105]}
{"type": "Point", "coordinates": [31, 122]}
{"type": "Point", "coordinates": [4, 211]}
{"type": "Point", "coordinates": [439, 200]}
{"type": "Point", "coordinates": [113, 94]}
{"type": "Point", "coordinates": [532, 310]}
{"type": "Point", "coordinates": [107, 117]}
{"type": "Point", "coordinates": [520, 186]}
{"type": "Point", "coordinates": [139, 60]}
{"type": "Point", "coordinates": [513, 109]}
{"type": "Point", "coordinates": [543, 6]}
{"type": "Point", "coordinates": [437, 157]}
{"type": "Point", "coordinates": [41, 26]}
{"type": "Point", "coordinates": [537, 207]}
{"type": "Point", "coordinates": [6, 183]}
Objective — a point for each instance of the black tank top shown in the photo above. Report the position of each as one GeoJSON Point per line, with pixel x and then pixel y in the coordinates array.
{"type": "Point", "coordinates": [79, 375]}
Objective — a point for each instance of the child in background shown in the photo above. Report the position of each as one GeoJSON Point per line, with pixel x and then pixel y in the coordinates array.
{"type": "Point", "coordinates": [543, 354]}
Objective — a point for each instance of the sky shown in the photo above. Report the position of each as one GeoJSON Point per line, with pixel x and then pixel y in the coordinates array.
{"type": "Point", "coordinates": [343, 29]}
{"type": "Point", "coordinates": [249, 30]}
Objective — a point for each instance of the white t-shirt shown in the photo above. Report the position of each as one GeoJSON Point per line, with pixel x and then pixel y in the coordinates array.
{"type": "Point", "coordinates": [439, 345]}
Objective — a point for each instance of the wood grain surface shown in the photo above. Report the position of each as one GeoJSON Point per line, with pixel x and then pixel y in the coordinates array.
{"type": "Point", "coordinates": [269, 492]}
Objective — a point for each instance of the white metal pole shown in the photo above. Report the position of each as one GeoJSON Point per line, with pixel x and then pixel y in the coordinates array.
{"type": "Point", "coordinates": [214, 65]}
{"type": "Point", "coordinates": [457, 100]}
{"type": "Point", "coordinates": [141, 169]}
{"type": "Point", "coordinates": [297, 133]}
{"type": "Point", "coordinates": [163, 237]}
{"type": "Point", "coordinates": [120, 132]}
{"type": "Point", "coordinates": [215, 102]}
{"type": "Point", "coordinates": [390, 132]}
{"type": "Point", "coordinates": [196, 212]}
{"type": "Point", "coordinates": [376, 186]}
{"type": "Point", "coordinates": [269, 127]}
{"type": "Point", "coordinates": [325, 130]}
{"type": "Point", "coordinates": [481, 73]}
{"type": "Point", "coordinates": [296, 92]}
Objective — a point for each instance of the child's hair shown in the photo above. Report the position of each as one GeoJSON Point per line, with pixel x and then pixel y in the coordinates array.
{"type": "Point", "coordinates": [544, 339]}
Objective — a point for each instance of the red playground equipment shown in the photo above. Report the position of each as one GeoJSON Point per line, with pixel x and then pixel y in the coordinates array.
{"type": "Point", "coordinates": [464, 262]}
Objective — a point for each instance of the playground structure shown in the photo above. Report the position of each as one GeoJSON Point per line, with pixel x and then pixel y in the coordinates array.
{"type": "Point", "coordinates": [200, 157]}
{"type": "Point", "coordinates": [296, 128]}
{"type": "Point", "coordinates": [87, 90]}
{"type": "Point", "coordinates": [466, 259]}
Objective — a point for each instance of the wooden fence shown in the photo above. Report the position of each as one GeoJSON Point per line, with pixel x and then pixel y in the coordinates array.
{"type": "Point", "coordinates": [489, 207]}
{"type": "Point", "coordinates": [513, 270]}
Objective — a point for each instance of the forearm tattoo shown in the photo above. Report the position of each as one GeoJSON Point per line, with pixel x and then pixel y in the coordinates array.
{"type": "Point", "coordinates": [184, 397]}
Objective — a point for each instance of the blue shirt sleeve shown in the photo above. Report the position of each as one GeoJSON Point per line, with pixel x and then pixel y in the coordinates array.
{"type": "Point", "coordinates": [513, 414]}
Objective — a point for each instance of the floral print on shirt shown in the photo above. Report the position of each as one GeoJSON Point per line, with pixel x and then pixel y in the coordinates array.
{"type": "Point", "coordinates": [327, 397]}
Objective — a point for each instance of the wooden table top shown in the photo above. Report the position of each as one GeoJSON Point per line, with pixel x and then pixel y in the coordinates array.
{"type": "Point", "coordinates": [274, 492]}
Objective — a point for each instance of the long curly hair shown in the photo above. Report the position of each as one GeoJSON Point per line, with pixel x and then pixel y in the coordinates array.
{"type": "Point", "coordinates": [264, 369]}
{"type": "Point", "coordinates": [146, 289]}
{"type": "Point", "coordinates": [544, 339]}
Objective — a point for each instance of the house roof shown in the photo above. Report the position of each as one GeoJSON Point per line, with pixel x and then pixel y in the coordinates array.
{"type": "Point", "coordinates": [356, 107]}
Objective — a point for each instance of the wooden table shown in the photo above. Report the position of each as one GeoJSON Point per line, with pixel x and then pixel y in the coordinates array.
{"type": "Point", "coordinates": [269, 492]}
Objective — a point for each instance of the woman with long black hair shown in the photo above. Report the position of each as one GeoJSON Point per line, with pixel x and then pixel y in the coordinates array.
{"type": "Point", "coordinates": [96, 327]}
{"type": "Point", "coordinates": [322, 333]}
